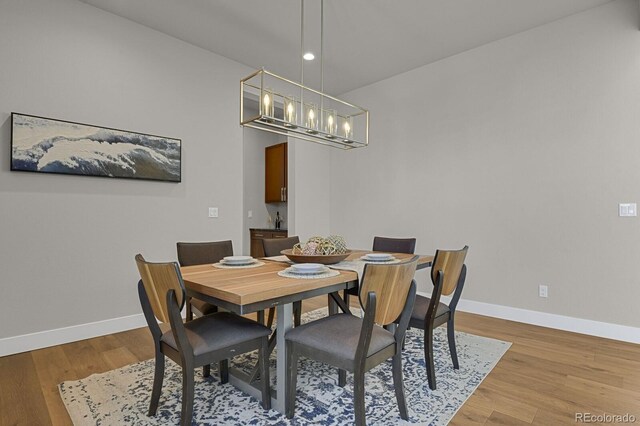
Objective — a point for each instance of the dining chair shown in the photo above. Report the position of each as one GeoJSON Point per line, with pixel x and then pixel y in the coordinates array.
{"type": "Point", "coordinates": [448, 274]}
{"type": "Point", "coordinates": [356, 344]}
{"type": "Point", "coordinates": [389, 245]}
{"type": "Point", "coordinates": [273, 247]}
{"type": "Point", "coordinates": [190, 254]}
{"type": "Point", "coordinates": [211, 338]}
{"type": "Point", "coordinates": [394, 245]}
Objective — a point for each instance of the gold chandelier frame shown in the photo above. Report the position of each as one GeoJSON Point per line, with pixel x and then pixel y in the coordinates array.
{"type": "Point", "coordinates": [292, 109]}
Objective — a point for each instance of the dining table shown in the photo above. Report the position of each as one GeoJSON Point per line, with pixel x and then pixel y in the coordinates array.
{"type": "Point", "coordinates": [247, 290]}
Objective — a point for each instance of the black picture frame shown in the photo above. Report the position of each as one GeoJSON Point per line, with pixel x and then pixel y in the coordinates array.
{"type": "Point", "coordinates": [53, 146]}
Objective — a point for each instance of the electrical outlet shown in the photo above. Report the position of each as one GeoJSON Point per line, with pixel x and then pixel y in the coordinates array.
{"type": "Point", "coordinates": [213, 212]}
{"type": "Point", "coordinates": [543, 291]}
{"type": "Point", "coordinates": [627, 209]}
{"type": "Point", "coordinates": [250, 214]}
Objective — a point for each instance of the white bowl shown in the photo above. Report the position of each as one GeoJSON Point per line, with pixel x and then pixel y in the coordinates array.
{"type": "Point", "coordinates": [307, 267]}
{"type": "Point", "coordinates": [238, 259]}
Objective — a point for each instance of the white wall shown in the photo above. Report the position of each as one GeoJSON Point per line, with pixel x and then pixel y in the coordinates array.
{"type": "Point", "coordinates": [309, 189]}
{"type": "Point", "coordinates": [521, 149]}
{"type": "Point", "coordinates": [67, 243]}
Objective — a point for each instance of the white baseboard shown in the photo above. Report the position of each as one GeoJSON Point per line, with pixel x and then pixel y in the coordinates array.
{"type": "Point", "coordinates": [544, 319]}
{"type": "Point", "coordinates": [58, 336]}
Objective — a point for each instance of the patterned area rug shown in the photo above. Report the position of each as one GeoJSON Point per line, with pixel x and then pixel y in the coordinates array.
{"type": "Point", "coordinates": [122, 396]}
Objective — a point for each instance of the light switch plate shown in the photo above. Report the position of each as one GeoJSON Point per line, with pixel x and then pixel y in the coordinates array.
{"type": "Point", "coordinates": [627, 209]}
{"type": "Point", "coordinates": [213, 212]}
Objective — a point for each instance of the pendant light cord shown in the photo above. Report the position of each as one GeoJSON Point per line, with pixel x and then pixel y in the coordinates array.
{"type": "Point", "coordinates": [301, 58]}
{"type": "Point", "coordinates": [322, 46]}
{"type": "Point", "coordinates": [321, 61]}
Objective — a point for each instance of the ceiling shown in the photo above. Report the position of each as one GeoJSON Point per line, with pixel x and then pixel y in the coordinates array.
{"type": "Point", "coordinates": [365, 40]}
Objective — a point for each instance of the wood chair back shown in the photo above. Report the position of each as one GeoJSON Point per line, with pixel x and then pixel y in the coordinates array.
{"type": "Point", "coordinates": [394, 245]}
{"type": "Point", "coordinates": [391, 284]}
{"type": "Point", "coordinates": [273, 246]}
{"type": "Point", "coordinates": [203, 253]}
{"type": "Point", "coordinates": [158, 279]}
{"type": "Point", "coordinates": [450, 263]}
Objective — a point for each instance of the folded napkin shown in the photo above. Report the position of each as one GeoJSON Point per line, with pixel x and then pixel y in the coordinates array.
{"type": "Point", "coordinates": [282, 258]}
{"type": "Point", "coordinates": [356, 266]}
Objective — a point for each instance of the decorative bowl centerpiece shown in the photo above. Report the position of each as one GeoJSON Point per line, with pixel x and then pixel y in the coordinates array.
{"type": "Point", "coordinates": [327, 251]}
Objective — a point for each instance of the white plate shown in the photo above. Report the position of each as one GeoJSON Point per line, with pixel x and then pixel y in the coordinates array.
{"type": "Point", "coordinates": [238, 260]}
{"type": "Point", "coordinates": [378, 257]}
{"type": "Point", "coordinates": [307, 267]}
{"type": "Point", "coordinates": [222, 262]}
{"type": "Point", "coordinates": [308, 272]}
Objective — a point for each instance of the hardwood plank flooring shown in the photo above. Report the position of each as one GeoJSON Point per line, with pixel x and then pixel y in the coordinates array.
{"type": "Point", "coordinates": [545, 378]}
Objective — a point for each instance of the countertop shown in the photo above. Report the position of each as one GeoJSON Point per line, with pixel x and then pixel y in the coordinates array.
{"type": "Point", "coordinates": [268, 229]}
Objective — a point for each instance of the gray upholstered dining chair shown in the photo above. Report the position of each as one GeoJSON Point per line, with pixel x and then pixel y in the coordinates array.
{"type": "Point", "coordinates": [448, 274]}
{"type": "Point", "coordinates": [394, 245]}
{"type": "Point", "coordinates": [273, 247]}
{"type": "Point", "coordinates": [190, 254]}
{"type": "Point", "coordinates": [389, 245]}
{"type": "Point", "coordinates": [358, 344]}
{"type": "Point", "coordinates": [211, 338]}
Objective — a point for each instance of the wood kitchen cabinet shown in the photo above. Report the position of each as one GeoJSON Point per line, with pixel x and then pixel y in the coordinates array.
{"type": "Point", "coordinates": [257, 235]}
{"type": "Point", "coordinates": [275, 179]}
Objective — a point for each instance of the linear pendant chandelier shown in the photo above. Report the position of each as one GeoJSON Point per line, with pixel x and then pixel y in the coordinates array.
{"type": "Point", "coordinates": [293, 109]}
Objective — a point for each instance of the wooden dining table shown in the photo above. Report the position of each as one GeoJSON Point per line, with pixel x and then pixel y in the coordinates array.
{"type": "Point", "coordinates": [246, 290]}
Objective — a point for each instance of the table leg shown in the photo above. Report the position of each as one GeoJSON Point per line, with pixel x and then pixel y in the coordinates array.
{"type": "Point", "coordinates": [284, 323]}
{"type": "Point", "coordinates": [332, 306]}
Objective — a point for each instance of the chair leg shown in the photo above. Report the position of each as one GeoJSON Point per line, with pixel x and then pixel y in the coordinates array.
{"type": "Point", "coordinates": [297, 313]}
{"type": "Point", "coordinates": [263, 359]}
{"type": "Point", "coordinates": [399, 386]}
{"type": "Point", "coordinates": [206, 370]}
{"type": "Point", "coordinates": [189, 310]}
{"type": "Point", "coordinates": [158, 378]}
{"type": "Point", "coordinates": [223, 369]}
{"type": "Point", "coordinates": [451, 334]}
{"type": "Point", "coordinates": [342, 377]}
{"type": "Point", "coordinates": [188, 385]}
{"type": "Point", "coordinates": [358, 398]}
{"type": "Point", "coordinates": [292, 378]}
{"type": "Point", "coordinates": [272, 313]}
{"type": "Point", "coordinates": [428, 358]}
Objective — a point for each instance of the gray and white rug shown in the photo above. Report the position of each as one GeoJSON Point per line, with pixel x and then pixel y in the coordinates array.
{"type": "Point", "coordinates": [122, 396]}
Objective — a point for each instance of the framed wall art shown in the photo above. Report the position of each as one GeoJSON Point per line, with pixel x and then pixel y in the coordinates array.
{"type": "Point", "coordinates": [45, 145]}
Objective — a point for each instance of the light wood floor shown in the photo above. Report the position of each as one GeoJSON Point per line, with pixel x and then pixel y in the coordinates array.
{"type": "Point", "coordinates": [544, 379]}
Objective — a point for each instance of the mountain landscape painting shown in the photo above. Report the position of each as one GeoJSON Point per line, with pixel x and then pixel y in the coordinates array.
{"type": "Point", "coordinates": [52, 146]}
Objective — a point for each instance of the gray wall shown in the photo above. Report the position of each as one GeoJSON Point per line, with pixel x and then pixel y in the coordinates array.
{"type": "Point", "coordinates": [522, 149]}
{"type": "Point", "coordinates": [309, 189]}
{"type": "Point", "coordinates": [254, 142]}
{"type": "Point", "coordinates": [67, 243]}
